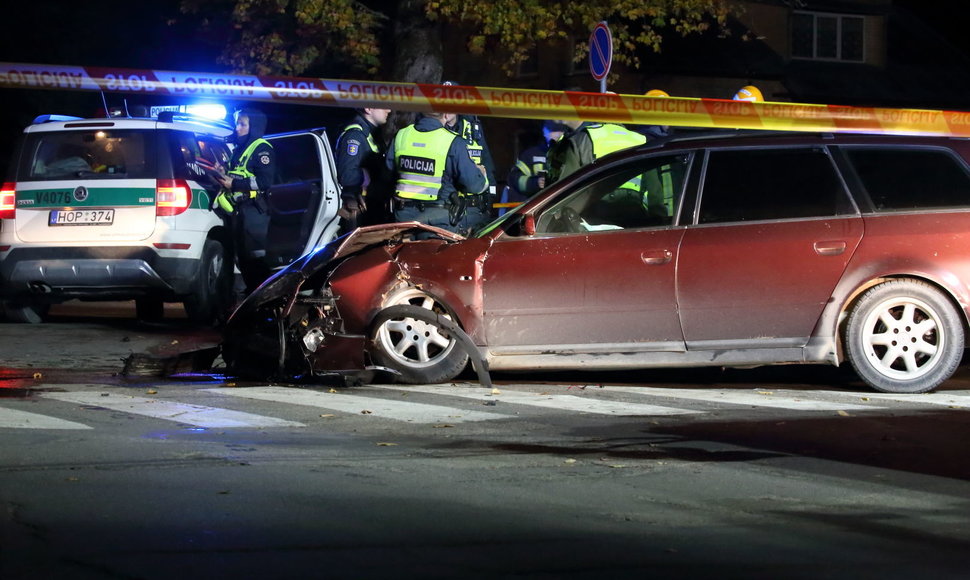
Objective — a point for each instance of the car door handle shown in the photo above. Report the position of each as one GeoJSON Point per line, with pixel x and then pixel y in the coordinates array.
{"type": "Point", "coordinates": [833, 248]}
{"type": "Point", "coordinates": [656, 257]}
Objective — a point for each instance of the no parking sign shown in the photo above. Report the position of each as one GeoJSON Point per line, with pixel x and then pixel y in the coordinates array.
{"type": "Point", "coordinates": [600, 53]}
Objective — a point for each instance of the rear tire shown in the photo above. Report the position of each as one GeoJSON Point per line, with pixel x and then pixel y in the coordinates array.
{"type": "Point", "coordinates": [212, 292]}
{"type": "Point", "coordinates": [904, 336]}
{"type": "Point", "coordinates": [26, 312]}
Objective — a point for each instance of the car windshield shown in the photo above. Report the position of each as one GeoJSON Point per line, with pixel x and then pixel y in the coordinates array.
{"type": "Point", "coordinates": [94, 154]}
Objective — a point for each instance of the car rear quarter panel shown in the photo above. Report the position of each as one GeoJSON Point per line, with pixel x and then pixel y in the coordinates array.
{"type": "Point", "coordinates": [934, 247]}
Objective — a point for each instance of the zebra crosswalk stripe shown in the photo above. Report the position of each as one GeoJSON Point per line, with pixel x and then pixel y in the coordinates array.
{"type": "Point", "coordinates": [14, 419]}
{"type": "Point", "coordinates": [758, 399]}
{"type": "Point", "coordinates": [198, 415]}
{"type": "Point", "coordinates": [390, 409]}
{"type": "Point", "coordinates": [561, 402]}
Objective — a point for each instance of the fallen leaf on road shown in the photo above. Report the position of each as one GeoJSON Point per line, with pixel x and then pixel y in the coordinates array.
{"type": "Point", "coordinates": [844, 414]}
{"type": "Point", "coordinates": [496, 392]}
{"type": "Point", "coordinates": [442, 426]}
{"type": "Point", "coordinates": [570, 461]}
{"type": "Point", "coordinates": [151, 392]}
{"type": "Point", "coordinates": [327, 415]}
{"type": "Point", "coordinates": [38, 376]}
{"type": "Point", "coordinates": [332, 390]}
{"type": "Point", "coordinates": [765, 393]}
{"type": "Point", "coordinates": [365, 412]}
{"type": "Point", "coordinates": [385, 444]}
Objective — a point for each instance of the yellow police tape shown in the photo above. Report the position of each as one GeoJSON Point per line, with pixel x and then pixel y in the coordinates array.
{"type": "Point", "coordinates": [488, 101]}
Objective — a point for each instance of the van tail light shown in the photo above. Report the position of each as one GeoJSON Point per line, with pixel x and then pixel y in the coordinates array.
{"type": "Point", "coordinates": [8, 201]}
{"type": "Point", "coordinates": [172, 196]}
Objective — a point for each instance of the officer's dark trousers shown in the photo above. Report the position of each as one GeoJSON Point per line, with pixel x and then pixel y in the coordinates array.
{"type": "Point", "coordinates": [250, 227]}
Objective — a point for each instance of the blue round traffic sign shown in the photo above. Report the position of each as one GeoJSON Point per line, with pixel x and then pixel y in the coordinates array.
{"type": "Point", "coordinates": [600, 51]}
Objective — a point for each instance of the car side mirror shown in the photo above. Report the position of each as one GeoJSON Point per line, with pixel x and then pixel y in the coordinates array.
{"type": "Point", "coordinates": [529, 225]}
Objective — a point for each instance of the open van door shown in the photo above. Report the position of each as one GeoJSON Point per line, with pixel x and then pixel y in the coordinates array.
{"type": "Point", "coordinates": [305, 197]}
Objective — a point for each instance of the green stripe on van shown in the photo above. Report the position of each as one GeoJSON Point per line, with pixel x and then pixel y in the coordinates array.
{"type": "Point", "coordinates": [96, 197]}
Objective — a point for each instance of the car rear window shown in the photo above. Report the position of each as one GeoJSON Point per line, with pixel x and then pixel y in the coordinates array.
{"type": "Point", "coordinates": [93, 154]}
{"type": "Point", "coordinates": [770, 184]}
{"type": "Point", "coordinates": [904, 179]}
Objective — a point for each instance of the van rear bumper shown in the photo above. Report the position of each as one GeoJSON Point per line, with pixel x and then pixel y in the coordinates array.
{"type": "Point", "coordinates": [80, 272]}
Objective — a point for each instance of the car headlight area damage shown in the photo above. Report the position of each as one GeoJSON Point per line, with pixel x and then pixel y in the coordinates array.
{"type": "Point", "coordinates": [326, 317]}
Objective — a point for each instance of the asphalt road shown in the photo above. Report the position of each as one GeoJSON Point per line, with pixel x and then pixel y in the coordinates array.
{"type": "Point", "coordinates": [770, 473]}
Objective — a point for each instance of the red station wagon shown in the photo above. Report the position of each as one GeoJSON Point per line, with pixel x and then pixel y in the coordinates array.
{"type": "Point", "coordinates": [728, 250]}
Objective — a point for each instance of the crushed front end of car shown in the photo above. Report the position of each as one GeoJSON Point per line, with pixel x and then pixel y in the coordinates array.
{"type": "Point", "coordinates": [294, 327]}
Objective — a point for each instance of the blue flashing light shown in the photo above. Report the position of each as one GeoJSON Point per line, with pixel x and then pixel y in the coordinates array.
{"type": "Point", "coordinates": [213, 111]}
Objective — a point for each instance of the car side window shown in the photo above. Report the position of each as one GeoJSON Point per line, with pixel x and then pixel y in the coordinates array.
{"type": "Point", "coordinates": [643, 193]}
{"type": "Point", "coordinates": [902, 179]}
{"type": "Point", "coordinates": [770, 184]}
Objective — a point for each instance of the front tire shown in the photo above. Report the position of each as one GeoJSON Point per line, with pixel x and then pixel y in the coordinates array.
{"type": "Point", "coordinates": [418, 350]}
{"type": "Point", "coordinates": [208, 303]}
{"type": "Point", "coordinates": [904, 336]}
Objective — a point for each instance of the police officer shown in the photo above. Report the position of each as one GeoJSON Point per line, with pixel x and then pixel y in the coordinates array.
{"type": "Point", "coordinates": [585, 142]}
{"type": "Point", "coordinates": [433, 167]}
{"type": "Point", "coordinates": [528, 175]}
{"type": "Point", "coordinates": [652, 132]}
{"type": "Point", "coordinates": [361, 170]}
{"type": "Point", "coordinates": [478, 210]}
{"type": "Point", "coordinates": [245, 187]}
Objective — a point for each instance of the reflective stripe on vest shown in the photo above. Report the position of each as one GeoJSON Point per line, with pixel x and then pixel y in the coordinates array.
{"type": "Point", "coordinates": [420, 158]}
{"type": "Point", "coordinates": [370, 138]}
{"type": "Point", "coordinates": [608, 138]}
{"type": "Point", "coordinates": [240, 171]}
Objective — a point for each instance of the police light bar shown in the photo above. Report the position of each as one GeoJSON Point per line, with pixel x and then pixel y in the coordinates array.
{"type": "Point", "coordinates": [213, 111]}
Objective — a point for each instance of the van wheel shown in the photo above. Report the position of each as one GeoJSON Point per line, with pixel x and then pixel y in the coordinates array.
{"type": "Point", "coordinates": [904, 336]}
{"type": "Point", "coordinates": [149, 309]}
{"type": "Point", "coordinates": [27, 312]}
{"type": "Point", "coordinates": [209, 300]}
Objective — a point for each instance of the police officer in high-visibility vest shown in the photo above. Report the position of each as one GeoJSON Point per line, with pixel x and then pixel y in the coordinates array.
{"type": "Point", "coordinates": [586, 142]}
{"type": "Point", "coordinates": [478, 210]}
{"type": "Point", "coordinates": [433, 167]}
{"type": "Point", "coordinates": [243, 198]}
{"type": "Point", "coordinates": [361, 171]}
{"type": "Point", "coordinates": [528, 175]}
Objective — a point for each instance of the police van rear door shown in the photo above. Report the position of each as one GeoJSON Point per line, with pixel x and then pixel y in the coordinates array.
{"type": "Point", "coordinates": [87, 181]}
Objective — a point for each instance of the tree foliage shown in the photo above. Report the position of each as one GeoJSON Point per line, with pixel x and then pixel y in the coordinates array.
{"type": "Point", "coordinates": [291, 37]}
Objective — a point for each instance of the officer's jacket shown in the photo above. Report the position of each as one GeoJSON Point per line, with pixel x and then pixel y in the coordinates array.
{"type": "Point", "coordinates": [358, 151]}
{"type": "Point", "coordinates": [432, 164]}
{"type": "Point", "coordinates": [589, 142]}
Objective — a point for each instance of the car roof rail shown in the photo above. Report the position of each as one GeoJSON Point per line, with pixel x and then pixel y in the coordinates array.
{"type": "Point", "coordinates": [176, 117]}
{"type": "Point", "coordinates": [54, 119]}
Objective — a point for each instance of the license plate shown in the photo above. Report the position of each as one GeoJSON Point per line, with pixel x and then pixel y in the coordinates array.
{"type": "Point", "coordinates": [81, 217]}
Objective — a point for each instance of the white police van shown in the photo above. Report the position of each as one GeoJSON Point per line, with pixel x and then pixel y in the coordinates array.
{"type": "Point", "coordinates": [120, 208]}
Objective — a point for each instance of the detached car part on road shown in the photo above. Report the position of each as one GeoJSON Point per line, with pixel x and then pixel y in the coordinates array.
{"type": "Point", "coordinates": [715, 250]}
{"type": "Point", "coordinates": [119, 208]}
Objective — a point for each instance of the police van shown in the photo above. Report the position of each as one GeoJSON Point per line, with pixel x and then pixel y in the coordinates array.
{"type": "Point", "coordinates": [121, 208]}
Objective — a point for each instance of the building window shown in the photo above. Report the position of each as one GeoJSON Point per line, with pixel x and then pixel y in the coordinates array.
{"type": "Point", "coordinates": [820, 36]}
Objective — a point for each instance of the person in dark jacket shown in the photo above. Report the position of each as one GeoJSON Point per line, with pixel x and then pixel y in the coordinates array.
{"type": "Point", "coordinates": [243, 198]}
{"type": "Point", "coordinates": [361, 171]}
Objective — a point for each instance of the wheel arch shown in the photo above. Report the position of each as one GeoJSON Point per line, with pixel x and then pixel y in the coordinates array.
{"type": "Point", "coordinates": [853, 297]}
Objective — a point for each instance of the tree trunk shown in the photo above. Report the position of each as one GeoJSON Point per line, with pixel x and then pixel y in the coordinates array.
{"type": "Point", "coordinates": [418, 55]}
